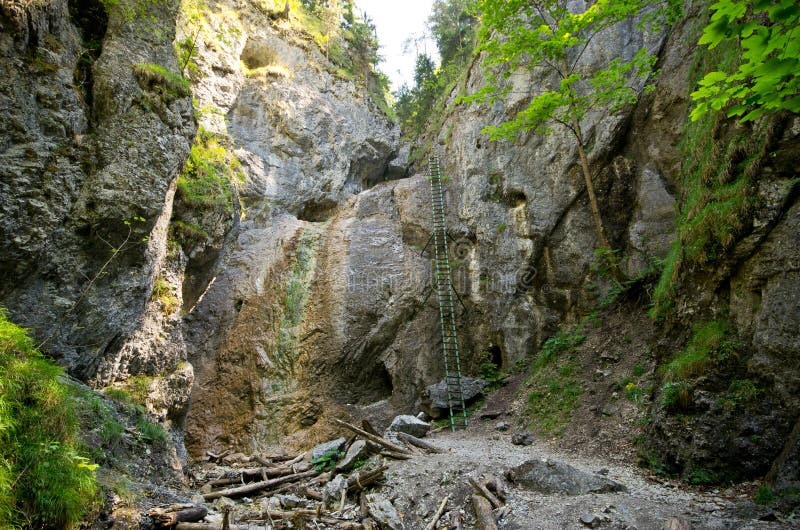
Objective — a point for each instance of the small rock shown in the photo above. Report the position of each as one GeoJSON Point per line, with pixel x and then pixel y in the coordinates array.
{"type": "Point", "coordinates": [490, 414]}
{"type": "Point", "coordinates": [357, 451]}
{"type": "Point", "coordinates": [332, 491]}
{"type": "Point", "coordinates": [591, 520]}
{"type": "Point", "coordinates": [422, 415]}
{"type": "Point", "coordinates": [320, 450]}
{"type": "Point", "coordinates": [289, 502]}
{"type": "Point", "coordinates": [677, 523]}
{"type": "Point", "coordinates": [501, 426]}
{"type": "Point", "coordinates": [384, 513]}
{"type": "Point", "coordinates": [409, 425]}
{"type": "Point", "coordinates": [522, 438]}
{"type": "Point", "coordinates": [603, 471]}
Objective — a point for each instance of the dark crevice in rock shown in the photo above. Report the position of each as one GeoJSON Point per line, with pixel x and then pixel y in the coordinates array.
{"type": "Point", "coordinates": [317, 211]}
{"type": "Point", "coordinates": [91, 20]}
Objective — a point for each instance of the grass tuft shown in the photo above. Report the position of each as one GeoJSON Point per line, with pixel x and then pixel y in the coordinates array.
{"type": "Point", "coordinates": [157, 78]}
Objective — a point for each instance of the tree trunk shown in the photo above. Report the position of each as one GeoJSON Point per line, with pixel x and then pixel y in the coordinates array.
{"type": "Point", "coordinates": [587, 177]}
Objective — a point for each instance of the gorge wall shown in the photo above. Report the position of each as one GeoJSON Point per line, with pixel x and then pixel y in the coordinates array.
{"type": "Point", "coordinates": [304, 296]}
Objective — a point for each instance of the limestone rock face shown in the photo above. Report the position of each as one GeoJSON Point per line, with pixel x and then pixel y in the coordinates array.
{"type": "Point", "coordinates": [309, 142]}
{"type": "Point", "coordinates": [87, 176]}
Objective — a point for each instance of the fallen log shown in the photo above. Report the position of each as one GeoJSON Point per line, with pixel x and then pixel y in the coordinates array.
{"type": "Point", "coordinates": [258, 486]}
{"type": "Point", "coordinates": [498, 487]}
{"type": "Point", "coordinates": [208, 526]}
{"type": "Point", "coordinates": [373, 438]}
{"type": "Point", "coordinates": [438, 514]}
{"type": "Point", "coordinates": [396, 456]}
{"type": "Point", "coordinates": [483, 513]}
{"type": "Point", "coordinates": [263, 473]}
{"type": "Point", "coordinates": [485, 493]}
{"type": "Point", "coordinates": [360, 480]}
{"type": "Point", "coordinates": [413, 440]}
{"type": "Point", "coordinates": [177, 513]}
{"type": "Point", "coordinates": [212, 457]}
{"type": "Point", "coordinates": [367, 426]}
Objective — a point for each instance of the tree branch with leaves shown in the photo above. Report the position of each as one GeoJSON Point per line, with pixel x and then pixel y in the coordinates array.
{"type": "Point", "coordinates": [528, 35]}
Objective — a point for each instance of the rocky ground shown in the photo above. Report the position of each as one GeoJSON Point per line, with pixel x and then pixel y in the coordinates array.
{"type": "Point", "coordinates": [545, 486]}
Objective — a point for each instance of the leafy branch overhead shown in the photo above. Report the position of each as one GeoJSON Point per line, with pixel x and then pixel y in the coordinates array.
{"type": "Point", "coordinates": [547, 36]}
{"type": "Point", "coordinates": [768, 77]}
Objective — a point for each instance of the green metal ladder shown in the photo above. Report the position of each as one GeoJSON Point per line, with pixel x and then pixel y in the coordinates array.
{"type": "Point", "coordinates": [444, 291]}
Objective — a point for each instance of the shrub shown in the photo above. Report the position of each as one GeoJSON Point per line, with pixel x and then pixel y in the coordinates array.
{"type": "Point", "coordinates": [327, 461]}
{"type": "Point", "coordinates": [45, 481]}
{"type": "Point", "coordinates": [209, 176]}
{"type": "Point", "coordinates": [676, 396]}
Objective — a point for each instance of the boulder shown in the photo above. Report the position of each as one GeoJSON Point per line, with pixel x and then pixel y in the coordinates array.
{"type": "Point", "coordinates": [384, 513]}
{"type": "Point", "coordinates": [472, 388]}
{"type": "Point", "coordinates": [319, 451]}
{"type": "Point", "coordinates": [409, 425]}
{"type": "Point", "coordinates": [551, 476]}
{"type": "Point", "coordinates": [358, 451]}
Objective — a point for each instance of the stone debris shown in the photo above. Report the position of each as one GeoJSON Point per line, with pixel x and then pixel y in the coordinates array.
{"type": "Point", "coordinates": [437, 394]}
{"type": "Point", "coordinates": [357, 451]}
{"type": "Point", "coordinates": [523, 438]}
{"type": "Point", "coordinates": [501, 426]}
{"type": "Point", "coordinates": [591, 520]}
{"type": "Point", "coordinates": [384, 513]}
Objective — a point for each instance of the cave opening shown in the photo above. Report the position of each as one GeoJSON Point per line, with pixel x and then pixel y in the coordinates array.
{"type": "Point", "coordinates": [495, 355]}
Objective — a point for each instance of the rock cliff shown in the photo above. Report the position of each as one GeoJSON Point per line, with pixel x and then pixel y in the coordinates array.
{"type": "Point", "coordinates": [303, 293]}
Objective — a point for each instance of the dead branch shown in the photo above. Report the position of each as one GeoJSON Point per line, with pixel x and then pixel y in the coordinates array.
{"type": "Point", "coordinates": [438, 514]}
{"type": "Point", "coordinates": [360, 480]}
{"type": "Point", "coordinates": [483, 513]}
{"type": "Point", "coordinates": [372, 437]}
{"type": "Point", "coordinates": [177, 513]}
{"type": "Point", "coordinates": [396, 456]}
{"type": "Point", "coordinates": [258, 486]}
{"type": "Point", "coordinates": [413, 440]}
{"type": "Point", "coordinates": [484, 492]}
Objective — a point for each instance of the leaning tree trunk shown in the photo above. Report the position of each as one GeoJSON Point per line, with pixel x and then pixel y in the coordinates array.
{"type": "Point", "coordinates": [587, 177]}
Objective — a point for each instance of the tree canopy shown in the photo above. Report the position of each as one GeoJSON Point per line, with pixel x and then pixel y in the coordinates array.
{"type": "Point", "coordinates": [549, 35]}
{"type": "Point", "coordinates": [768, 76]}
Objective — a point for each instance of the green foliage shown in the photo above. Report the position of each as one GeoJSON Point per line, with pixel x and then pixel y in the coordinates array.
{"type": "Point", "coordinates": [327, 461]}
{"type": "Point", "coordinates": [676, 397]}
{"type": "Point", "coordinates": [559, 343]}
{"type": "Point", "coordinates": [210, 175]}
{"type": "Point", "coordinates": [152, 433]}
{"type": "Point", "coordinates": [718, 170]}
{"type": "Point", "coordinates": [764, 495]}
{"type": "Point", "coordinates": [700, 476]}
{"type": "Point", "coordinates": [163, 292]}
{"type": "Point", "coordinates": [519, 34]}
{"type": "Point", "coordinates": [767, 77]}
{"type": "Point", "coordinates": [421, 108]}
{"type": "Point", "coordinates": [157, 78]}
{"type": "Point", "coordinates": [554, 387]}
{"type": "Point", "coordinates": [554, 393]}
{"type": "Point", "coordinates": [711, 342]}
{"type": "Point", "coordinates": [45, 480]}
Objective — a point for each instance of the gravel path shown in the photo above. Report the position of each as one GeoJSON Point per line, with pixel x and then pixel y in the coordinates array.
{"type": "Point", "coordinates": [417, 487]}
